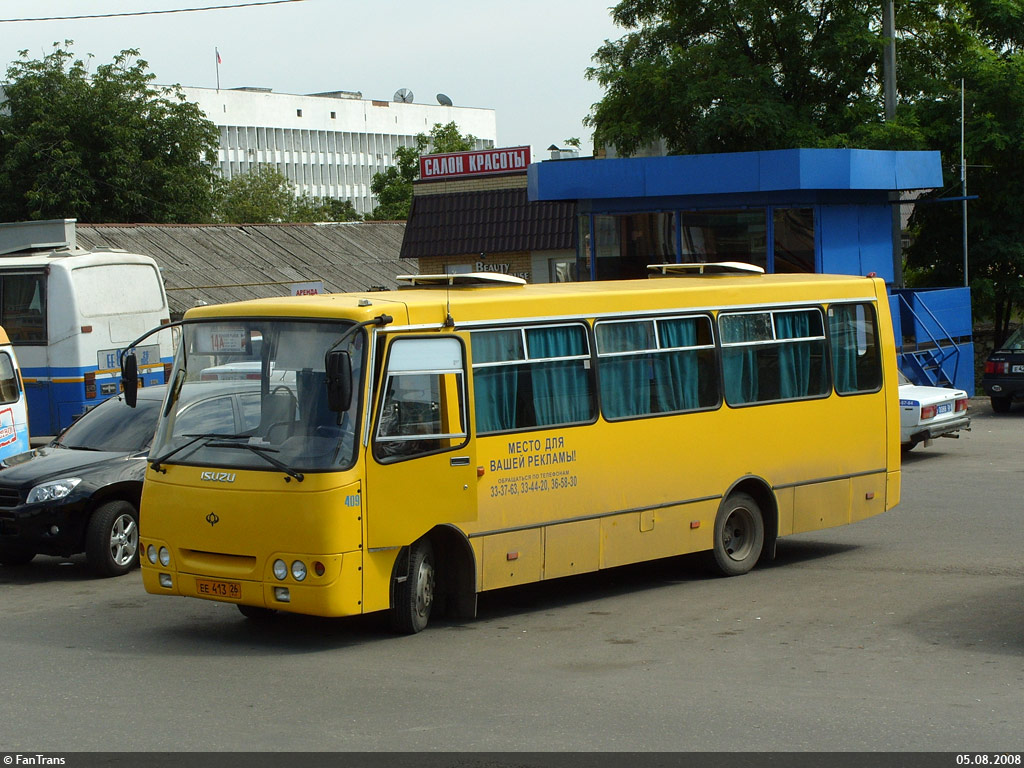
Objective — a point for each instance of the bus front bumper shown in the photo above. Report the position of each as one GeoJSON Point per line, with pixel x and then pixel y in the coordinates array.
{"type": "Point", "coordinates": [338, 592]}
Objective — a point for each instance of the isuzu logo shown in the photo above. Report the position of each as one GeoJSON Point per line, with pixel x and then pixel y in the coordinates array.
{"type": "Point", "coordinates": [217, 477]}
{"type": "Point", "coordinates": [212, 519]}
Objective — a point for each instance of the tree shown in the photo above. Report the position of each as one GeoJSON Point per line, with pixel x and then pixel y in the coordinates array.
{"type": "Point", "coordinates": [393, 186]}
{"type": "Point", "coordinates": [264, 195]}
{"type": "Point", "coordinates": [735, 75]}
{"type": "Point", "coordinates": [261, 196]}
{"type": "Point", "coordinates": [994, 125]}
{"type": "Point", "coordinates": [108, 146]}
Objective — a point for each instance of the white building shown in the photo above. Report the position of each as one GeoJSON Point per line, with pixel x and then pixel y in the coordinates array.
{"type": "Point", "coordinates": [327, 144]}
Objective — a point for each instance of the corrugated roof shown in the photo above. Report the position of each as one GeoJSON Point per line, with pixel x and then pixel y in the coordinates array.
{"type": "Point", "coordinates": [491, 221]}
{"type": "Point", "coordinates": [220, 263]}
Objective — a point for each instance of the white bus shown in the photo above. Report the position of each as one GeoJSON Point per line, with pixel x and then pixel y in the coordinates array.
{"type": "Point", "coordinates": [69, 313]}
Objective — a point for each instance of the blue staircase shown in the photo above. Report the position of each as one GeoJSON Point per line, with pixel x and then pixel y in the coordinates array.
{"type": "Point", "coordinates": [934, 337]}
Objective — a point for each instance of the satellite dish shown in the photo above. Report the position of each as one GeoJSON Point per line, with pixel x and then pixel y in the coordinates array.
{"type": "Point", "coordinates": [404, 95]}
{"type": "Point", "coordinates": [443, 100]}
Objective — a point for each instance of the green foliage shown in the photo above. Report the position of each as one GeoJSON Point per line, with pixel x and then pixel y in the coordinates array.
{"type": "Point", "coordinates": [265, 196]}
{"type": "Point", "coordinates": [393, 186]}
{"type": "Point", "coordinates": [737, 75]}
{"type": "Point", "coordinates": [107, 146]}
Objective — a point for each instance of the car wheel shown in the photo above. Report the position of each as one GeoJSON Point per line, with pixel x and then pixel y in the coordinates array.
{"type": "Point", "coordinates": [112, 539]}
{"type": "Point", "coordinates": [1001, 404]}
{"type": "Point", "coordinates": [11, 556]}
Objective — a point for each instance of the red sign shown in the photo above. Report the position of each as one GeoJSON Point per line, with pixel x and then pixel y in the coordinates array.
{"type": "Point", "coordinates": [474, 163]}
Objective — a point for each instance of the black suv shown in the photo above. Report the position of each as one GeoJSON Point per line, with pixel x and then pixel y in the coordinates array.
{"type": "Point", "coordinates": [1004, 372]}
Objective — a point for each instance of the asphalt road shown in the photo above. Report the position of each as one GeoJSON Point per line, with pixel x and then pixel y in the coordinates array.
{"type": "Point", "coordinates": [900, 633]}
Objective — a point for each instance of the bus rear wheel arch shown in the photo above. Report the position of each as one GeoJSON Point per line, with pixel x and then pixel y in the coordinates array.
{"type": "Point", "coordinates": [739, 534]}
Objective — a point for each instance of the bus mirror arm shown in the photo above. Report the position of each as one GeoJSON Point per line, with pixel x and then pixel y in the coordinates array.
{"type": "Point", "coordinates": [338, 364]}
{"type": "Point", "coordinates": [130, 365]}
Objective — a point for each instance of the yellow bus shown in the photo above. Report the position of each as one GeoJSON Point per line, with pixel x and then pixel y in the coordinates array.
{"type": "Point", "coordinates": [404, 451]}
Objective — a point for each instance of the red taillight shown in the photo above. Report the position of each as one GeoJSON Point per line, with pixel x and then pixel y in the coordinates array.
{"type": "Point", "coordinates": [994, 367]}
{"type": "Point", "coordinates": [167, 372]}
{"type": "Point", "coordinates": [253, 376]}
{"type": "Point", "coordinates": [90, 385]}
{"type": "Point", "coordinates": [927, 412]}
{"type": "Point", "coordinates": [961, 404]}
{"type": "Point", "coordinates": [208, 377]}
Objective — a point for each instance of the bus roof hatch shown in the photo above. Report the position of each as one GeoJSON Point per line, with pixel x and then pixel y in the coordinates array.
{"type": "Point", "coordinates": [704, 268]}
{"type": "Point", "coordinates": [465, 278]}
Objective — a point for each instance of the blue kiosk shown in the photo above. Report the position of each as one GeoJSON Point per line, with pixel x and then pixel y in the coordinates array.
{"type": "Point", "coordinates": [798, 210]}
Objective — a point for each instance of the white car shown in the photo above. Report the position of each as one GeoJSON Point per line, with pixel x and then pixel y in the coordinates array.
{"type": "Point", "coordinates": [930, 412]}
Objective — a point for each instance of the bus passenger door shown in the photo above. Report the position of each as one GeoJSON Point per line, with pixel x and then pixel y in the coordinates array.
{"type": "Point", "coordinates": [421, 464]}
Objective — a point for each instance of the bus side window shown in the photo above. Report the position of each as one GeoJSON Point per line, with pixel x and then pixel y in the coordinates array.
{"type": "Point", "coordinates": [856, 358]}
{"type": "Point", "coordinates": [424, 403]}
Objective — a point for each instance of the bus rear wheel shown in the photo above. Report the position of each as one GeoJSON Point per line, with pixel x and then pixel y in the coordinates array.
{"type": "Point", "coordinates": [414, 596]}
{"type": "Point", "coordinates": [739, 535]}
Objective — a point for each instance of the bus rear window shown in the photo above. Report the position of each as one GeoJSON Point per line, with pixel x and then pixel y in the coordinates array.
{"type": "Point", "coordinates": [117, 289]}
{"type": "Point", "coordinates": [23, 310]}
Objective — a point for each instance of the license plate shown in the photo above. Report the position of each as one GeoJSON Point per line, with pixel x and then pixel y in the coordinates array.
{"type": "Point", "coordinates": [946, 408]}
{"type": "Point", "coordinates": [1017, 369]}
{"type": "Point", "coordinates": [229, 589]}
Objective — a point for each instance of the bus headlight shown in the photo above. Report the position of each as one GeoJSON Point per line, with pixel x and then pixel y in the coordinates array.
{"type": "Point", "coordinates": [165, 557]}
{"type": "Point", "coordinates": [299, 570]}
{"type": "Point", "coordinates": [280, 570]}
{"type": "Point", "coordinates": [53, 490]}
{"type": "Point", "coordinates": [151, 554]}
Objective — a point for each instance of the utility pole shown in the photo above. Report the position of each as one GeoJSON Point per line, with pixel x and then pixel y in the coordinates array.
{"type": "Point", "coordinates": [889, 93]}
{"type": "Point", "coordinates": [963, 181]}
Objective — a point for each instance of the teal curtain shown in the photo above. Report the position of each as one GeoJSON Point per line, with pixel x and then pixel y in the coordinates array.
{"type": "Point", "coordinates": [739, 364]}
{"type": "Point", "coordinates": [739, 371]}
{"type": "Point", "coordinates": [794, 356]}
{"type": "Point", "coordinates": [842, 324]}
{"type": "Point", "coordinates": [561, 388]}
{"type": "Point", "coordinates": [496, 388]}
{"type": "Point", "coordinates": [681, 381]}
{"type": "Point", "coordinates": [625, 381]}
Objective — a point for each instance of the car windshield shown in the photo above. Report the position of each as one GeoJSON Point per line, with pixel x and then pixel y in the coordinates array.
{"type": "Point", "coordinates": [113, 426]}
{"type": "Point", "coordinates": [252, 394]}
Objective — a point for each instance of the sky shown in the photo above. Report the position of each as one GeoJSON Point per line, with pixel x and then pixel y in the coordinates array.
{"type": "Point", "coordinates": [525, 59]}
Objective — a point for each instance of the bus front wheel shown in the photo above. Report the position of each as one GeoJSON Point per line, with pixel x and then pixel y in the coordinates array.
{"type": "Point", "coordinates": [414, 595]}
{"type": "Point", "coordinates": [739, 535]}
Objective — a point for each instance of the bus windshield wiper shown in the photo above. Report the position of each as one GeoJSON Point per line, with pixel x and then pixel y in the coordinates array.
{"type": "Point", "coordinates": [193, 438]}
{"type": "Point", "coordinates": [262, 452]}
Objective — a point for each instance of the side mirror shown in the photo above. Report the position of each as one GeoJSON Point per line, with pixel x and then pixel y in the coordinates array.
{"type": "Point", "coordinates": [130, 378]}
{"type": "Point", "coordinates": [339, 380]}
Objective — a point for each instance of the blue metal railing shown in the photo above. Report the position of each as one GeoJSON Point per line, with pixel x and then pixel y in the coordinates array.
{"type": "Point", "coordinates": [929, 365]}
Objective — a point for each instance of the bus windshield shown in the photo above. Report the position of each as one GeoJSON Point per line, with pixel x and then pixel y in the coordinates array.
{"type": "Point", "coordinates": [252, 394]}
